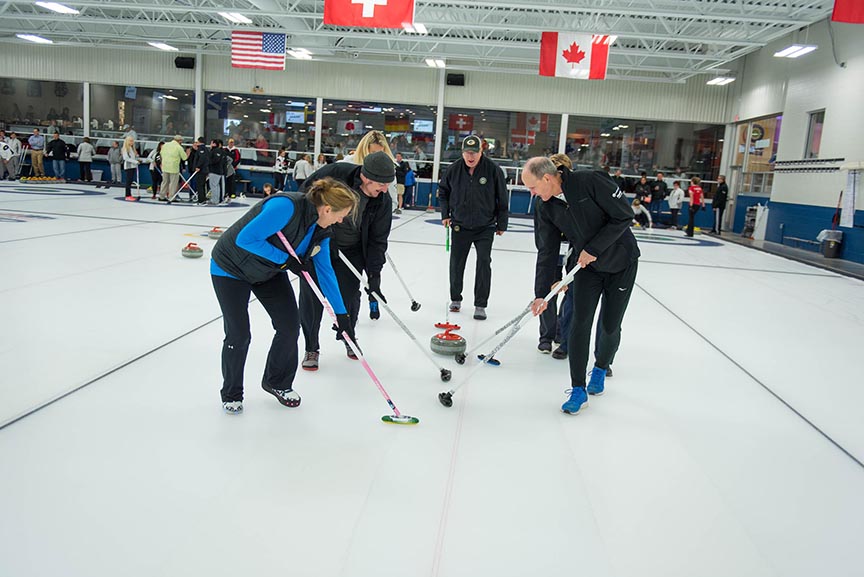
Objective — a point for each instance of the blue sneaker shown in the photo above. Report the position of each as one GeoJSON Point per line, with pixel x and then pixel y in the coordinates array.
{"type": "Point", "coordinates": [578, 399]}
{"type": "Point", "coordinates": [597, 382]}
{"type": "Point", "coordinates": [374, 313]}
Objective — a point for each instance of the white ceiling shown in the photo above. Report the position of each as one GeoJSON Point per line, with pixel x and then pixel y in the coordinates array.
{"type": "Point", "coordinates": [658, 40]}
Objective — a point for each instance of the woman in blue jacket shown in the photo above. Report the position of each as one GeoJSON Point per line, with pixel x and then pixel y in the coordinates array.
{"type": "Point", "coordinates": [251, 258]}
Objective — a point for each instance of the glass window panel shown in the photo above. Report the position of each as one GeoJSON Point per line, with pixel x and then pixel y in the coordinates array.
{"type": "Point", "coordinates": [47, 105]}
{"type": "Point", "coordinates": [814, 134]}
{"type": "Point", "coordinates": [152, 114]}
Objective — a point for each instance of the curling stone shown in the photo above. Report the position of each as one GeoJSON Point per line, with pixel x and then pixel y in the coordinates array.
{"type": "Point", "coordinates": [192, 250]}
{"type": "Point", "coordinates": [215, 233]}
{"type": "Point", "coordinates": [448, 342]}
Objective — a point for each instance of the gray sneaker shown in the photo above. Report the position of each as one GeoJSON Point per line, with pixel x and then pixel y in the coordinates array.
{"type": "Point", "coordinates": [233, 407]}
{"type": "Point", "coordinates": [310, 361]}
{"type": "Point", "coordinates": [480, 313]}
{"type": "Point", "coordinates": [455, 306]}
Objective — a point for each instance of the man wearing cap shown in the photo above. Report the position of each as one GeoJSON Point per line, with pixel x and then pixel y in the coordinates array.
{"type": "Point", "coordinates": [361, 238]}
{"type": "Point", "coordinates": [475, 205]}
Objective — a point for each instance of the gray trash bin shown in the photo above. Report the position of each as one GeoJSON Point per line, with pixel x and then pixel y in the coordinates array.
{"type": "Point", "coordinates": [832, 243]}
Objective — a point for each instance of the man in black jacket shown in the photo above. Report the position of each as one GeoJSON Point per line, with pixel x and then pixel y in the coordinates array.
{"type": "Point", "coordinates": [721, 196]}
{"type": "Point", "coordinates": [590, 210]}
{"type": "Point", "coordinates": [217, 164]}
{"type": "Point", "coordinates": [362, 239]}
{"type": "Point", "coordinates": [476, 206]}
{"type": "Point", "coordinates": [58, 153]}
{"type": "Point", "coordinates": [199, 166]}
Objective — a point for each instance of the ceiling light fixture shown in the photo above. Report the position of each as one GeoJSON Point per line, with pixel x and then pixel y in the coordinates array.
{"type": "Point", "coordinates": [264, 109]}
{"type": "Point", "coordinates": [415, 28]}
{"type": "Point", "coordinates": [435, 63]}
{"type": "Point", "coordinates": [300, 53]}
{"type": "Point", "coordinates": [721, 81]}
{"type": "Point", "coordinates": [235, 17]}
{"type": "Point", "coordinates": [57, 7]}
{"type": "Point", "coordinates": [163, 46]}
{"type": "Point", "coordinates": [169, 97]}
{"type": "Point", "coordinates": [34, 38]}
{"type": "Point", "coordinates": [796, 50]}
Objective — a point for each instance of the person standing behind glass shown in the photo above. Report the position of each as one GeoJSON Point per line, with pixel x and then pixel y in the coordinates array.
{"type": "Point", "coordinates": [85, 158]}
{"type": "Point", "coordinates": [475, 201]}
{"type": "Point", "coordinates": [37, 151]}
{"type": "Point", "coordinates": [718, 204]}
{"type": "Point", "coordinates": [58, 153]}
{"type": "Point", "coordinates": [130, 165]}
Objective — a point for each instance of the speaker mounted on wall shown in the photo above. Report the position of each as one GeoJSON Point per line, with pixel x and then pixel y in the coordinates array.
{"type": "Point", "coordinates": [455, 79]}
{"type": "Point", "coordinates": [185, 62]}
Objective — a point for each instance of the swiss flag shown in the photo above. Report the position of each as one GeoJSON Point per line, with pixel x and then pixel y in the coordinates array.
{"type": "Point", "coordinates": [583, 56]}
{"type": "Point", "coordinates": [460, 122]}
{"type": "Point", "coordinates": [369, 13]}
{"type": "Point", "coordinates": [851, 11]}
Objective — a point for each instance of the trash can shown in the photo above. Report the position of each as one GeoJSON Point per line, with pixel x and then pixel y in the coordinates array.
{"type": "Point", "coordinates": [832, 243]}
{"type": "Point", "coordinates": [97, 175]}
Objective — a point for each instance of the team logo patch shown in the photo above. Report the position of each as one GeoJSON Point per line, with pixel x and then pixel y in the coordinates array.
{"type": "Point", "coordinates": [618, 193]}
{"type": "Point", "coordinates": [483, 180]}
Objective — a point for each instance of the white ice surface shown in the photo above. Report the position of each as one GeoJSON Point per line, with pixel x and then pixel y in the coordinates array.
{"type": "Point", "coordinates": [686, 467]}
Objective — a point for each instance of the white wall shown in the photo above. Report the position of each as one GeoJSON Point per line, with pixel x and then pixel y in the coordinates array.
{"type": "Point", "coordinates": [812, 82]}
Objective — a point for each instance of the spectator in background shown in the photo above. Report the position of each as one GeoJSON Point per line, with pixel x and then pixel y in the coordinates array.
{"type": "Point", "coordinates": [115, 161]}
{"type": "Point", "coordinates": [172, 155]}
{"type": "Point", "coordinates": [130, 133]}
{"type": "Point", "coordinates": [721, 196]}
{"type": "Point", "coordinates": [280, 168]}
{"type": "Point", "coordinates": [643, 189]}
{"type": "Point", "coordinates": [155, 161]}
{"type": "Point", "coordinates": [267, 189]}
{"type": "Point", "coordinates": [697, 202]}
{"type": "Point", "coordinates": [623, 183]}
{"type": "Point", "coordinates": [402, 170]}
{"type": "Point", "coordinates": [5, 155]}
{"type": "Point", "coordinates": [320, 161]}
{"type": "Point", "coordinates": [262, 154]}
{"type": "Point", "coordinates": [233, 154]}
{"type": "Point", "coordinates": [199, 166]}
{"type": "Point", "coordinates": [676, 199]}
{"type": "Point", "coordinates": [302, 169]}
{"type": "Point", "coordinates": [58, 153]}
{"type": "Point", "coordinates": [85, 158]}
{"type": "Point", "coordinates": [37, 150]}
{"type": "Point", "coordinates": [15, 148]}
{"type": "Point", "coordinates": [130, 166]}
{"type": "Point", "coordinates": [659, 190]}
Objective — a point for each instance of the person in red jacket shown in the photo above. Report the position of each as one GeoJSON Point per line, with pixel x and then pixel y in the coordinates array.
{"type": "Point", "coordinates": [697, 202]}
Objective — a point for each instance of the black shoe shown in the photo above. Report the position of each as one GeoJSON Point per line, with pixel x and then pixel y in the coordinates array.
{"type": "Point", "coordinates": [350, 352]}
{"type": "Point", "coordinates": [286, 397]}
{"type": "Point", "coordinates": [559, 353]}
{"type": "Point", "coordinates": [545, 348]}
{"type": "Point", "coordinates": [609, 372]}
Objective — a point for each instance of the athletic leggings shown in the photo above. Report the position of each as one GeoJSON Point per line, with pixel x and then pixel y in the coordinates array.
{"type": "Point", "coordinates": [588, 286]}
{"type": "Point", "coordinates": [277, 298]}
{"type": "Point", "coordinates": [130, 177]}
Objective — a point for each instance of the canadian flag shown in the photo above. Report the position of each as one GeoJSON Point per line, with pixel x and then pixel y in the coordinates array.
{"type": "Point", "coordinates": [583, 56]}
{"type": "Point", "coordinates": [460, 122]}
{"type": "Point", "coordinates": [369, 13]}
{"type": "Point", "coordinates": [850, 11]}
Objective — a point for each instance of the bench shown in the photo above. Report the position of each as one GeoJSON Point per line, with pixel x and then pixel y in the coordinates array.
{"type": "Point", "coordinates": [808, 244]}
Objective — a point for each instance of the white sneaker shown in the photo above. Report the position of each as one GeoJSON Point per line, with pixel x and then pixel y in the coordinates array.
{"type": "Point", "coordinates": [233, 407]}
{"type": "Point", "coordinates": [286, 397]}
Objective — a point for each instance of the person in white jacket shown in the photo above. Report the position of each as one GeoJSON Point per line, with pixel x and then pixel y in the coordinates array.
{"type": "Point", "coordinates": [675, 200]}
{"type": "Point", "coordinates": [302, 169]}
{"type": "Point", "coordinates": [130, 165]}
{"type": "Point", "coordinates": [85, 157]}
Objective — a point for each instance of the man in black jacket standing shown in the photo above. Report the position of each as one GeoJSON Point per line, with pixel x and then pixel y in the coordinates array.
{"type": "Point", "coordinates": [199, 166]}
{"type": "Point", "coordinates": [476, 206]}
{"type": "Point", "coordinates": [590, 210]}
{"type": "Point", "coordinates": [361, 238]}
{"type": "Point", "coordinates": [721, 196]}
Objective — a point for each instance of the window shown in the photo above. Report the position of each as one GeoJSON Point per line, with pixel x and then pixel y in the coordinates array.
{"type": "Point", "coordinates": [49, 106]}
{"type": "Point", "coordinates": [814, 134]}
{"type": "Point", "coordinates": [152, 114]}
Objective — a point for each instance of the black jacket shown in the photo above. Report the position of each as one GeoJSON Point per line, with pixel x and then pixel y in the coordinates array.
{"type": "Point", "coordinates": [721, 196]}
{"type": "Point", "coordinates": [659, 190]}
{"type": "Point", "coordinates": [216, 160]}
{"type": "Point", "coordinates": [642, 190]}
{"type": "Point", "coordinates": [252, 268]}
{"type": "Point", "coordinates": [595, 217]}
{"type": "Point", "coordinates": [402, 169]}
{"type": "Point", "coordinates": [475, 201]}
{"type": "Point", "coordinates": [199, 159]}
{"type": "Point", "coordinates": [57, 150]}
{"type": "Point", "coordinates": [374, 223]}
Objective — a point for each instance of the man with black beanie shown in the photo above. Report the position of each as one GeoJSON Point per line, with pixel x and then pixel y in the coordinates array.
{"type": "Point", "coordinates": [199, 166]}
{"type": "Point", "coordinates": [361, 238]}
{"type": "Point", "coordinates": [476, 206]}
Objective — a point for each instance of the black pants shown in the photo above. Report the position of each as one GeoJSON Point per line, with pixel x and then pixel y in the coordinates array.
{"type": "Point", "coordinates": [86, 174]}
{"type": "Point", "coordinates": [349, 287]}
{"type": "Point", "coordinates": [588, 287]}
{"type": "Point", "coordinates": [200, 188]}
{"type": "Point", "coordinates": [156, 177]}
{"type": "Point", "coordinates": [691, 219]}
{"type": "Point", "coordinates": [230, 186]}
{"type": "Point", "coordinates": [278, 181]}
{"type": "Point", "coordinates": [462, 239]}
{"type": "Point", "coordinates": [549, 331]}
{"type": "Point", "coordinates": [130, 178]}
{"type": "Point", "coordinates": [674, 212]}
{"type": "Point", "coordinates": [300, 182]}
{"type": "Point", "coordinates": [277, 298]}
{"type": "Point", "coordinates": [718, 219]}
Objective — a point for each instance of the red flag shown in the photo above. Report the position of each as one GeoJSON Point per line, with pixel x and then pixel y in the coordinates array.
{"type": "Point", "coordinates": [568, 55]}
{"type": "Point", "coordinates": [851, 11]}
{"type": "Point", "coordinates": [369, 13]}
{"type": "Point", "coordinates": [461, 122]}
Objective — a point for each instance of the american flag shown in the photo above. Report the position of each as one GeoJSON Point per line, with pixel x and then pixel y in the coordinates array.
{"type": "Point", "coordinates": [258, 50]}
